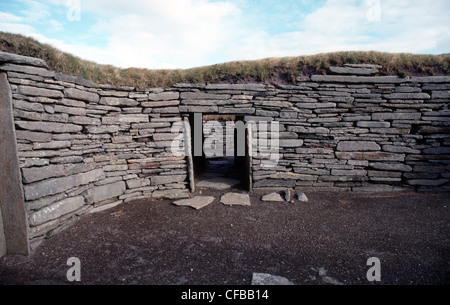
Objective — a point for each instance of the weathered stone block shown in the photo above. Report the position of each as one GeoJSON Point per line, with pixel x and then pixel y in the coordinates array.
{"type": "Point", "coordinates": [81, 95]}
{"type": "Point", "coordinates": [290, 143]}
{"type": "Point", "coordinates": [199, 109]}
{"type": "Point", "coordinates": [58, 185]}
{"type": "Point", "coordinates": [49, 127]}
{"type": "Point", "coordinates": [22, 60]}
{"type": "Point", "coordinates": [19, 104]}
{"type": "Point", "coordinates": [369, 124]}
{"type": "Point", "coordinates": [343, 172]}
{"type": "Point", "coordinates": [52, 145]}
{"type": "Point", "coordinates": [115, 167]}
{"type": "Point", "coordinates": [429, 169]}
{"type": "Point", "coordinates": [164, 96]}
{"type": "Point", "coordinates": [441, 94]}
{"type": "Point", "coordinates": [358, 146]}
{"type": "Point", "coordinates": [158, 180]}
{"type": "Point", "coordinates": [172, 110]}
{"type": "Point", "coordinates": [125, 118]}
{"type": "Point", "coordinates": [292, 176]}
{"type": "Point", "coordinates": [122, 139]}
{"type": "Point", "coordinates": [391, 167]}
{"type": "Point", "coordinates": [102, 129]}
{"type": "Point", "coordinates": [242, 87]}
{"type": "Point", "coordinates": [160, 104]}
{"type": "Point", "coordinates": [33, 136]}
{"type": "Point", "coordinates": [34, 91]}
{"type": "Point", "coordinates": [229, 110]}
{"type": "Point", "coordinates": [384, 174]}
{"type": "Point", "coordinates": [104, 192]}
{"type": "Point", "coordinates": [315, 130]}
{"type": "Point", "coordinates": [437, 150]}
{"type": "Point", "coordinates": [116, 101]}
{"type": "Point", "coordinates": [171, 194]}
{"type": "Point", "coordinates": [352, 71]}
{"type": "Point", "coordinates": [83, 120]}
{"type": "Point", "coordinates": [164, 136]}
{"type": "Point", "coordinates": [408, 96]}
{"type": "Point", "coordinates": [56, 210]}
{"type": "Point", "coordinates": [396, 116]}
{"type": "Point", "coordinates": [274, 183]}
{"type": "Point", "coordinates": [370, 156]}
{"type": "Point", "coordinates": [318, 150]}
{"type": "Point", "coordinates": [203, 96]}
{"type": "Point", "coordinates": [390, 130]}
{"type": "Point", "coordinates": [70, 110]}
{"type": "Point", "coordinates": [66, 160]}
{"type": "Point", "coordinates": [38, 116]}
{"type": "Point", "coordinates": [426, 182]}
{"type": "Point", "coordinates": [358, 80]}
{"type": "Point", "coordinates": [400, 149]}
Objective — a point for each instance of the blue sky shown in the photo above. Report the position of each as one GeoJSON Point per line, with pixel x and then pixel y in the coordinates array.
{"type": "Point", "coordinates": [188, 33]}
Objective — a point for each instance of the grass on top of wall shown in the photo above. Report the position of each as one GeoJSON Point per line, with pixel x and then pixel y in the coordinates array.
{"type": "Point", "coordinates": [283, 70]}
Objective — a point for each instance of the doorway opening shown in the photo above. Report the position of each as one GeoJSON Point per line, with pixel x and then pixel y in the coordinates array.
{"type": "Point", "coordinates": [220, 164]}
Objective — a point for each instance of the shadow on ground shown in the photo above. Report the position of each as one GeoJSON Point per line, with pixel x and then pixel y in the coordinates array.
{"type": "Point", "coordinates": [325, 241]}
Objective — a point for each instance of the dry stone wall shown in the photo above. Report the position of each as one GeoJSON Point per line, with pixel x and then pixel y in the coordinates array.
{"type": "Point", "coordinates": [85, 147]}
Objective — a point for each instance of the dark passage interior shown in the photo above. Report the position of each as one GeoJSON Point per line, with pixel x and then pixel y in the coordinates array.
{"type": "Point", "coordinates": [224, 169]}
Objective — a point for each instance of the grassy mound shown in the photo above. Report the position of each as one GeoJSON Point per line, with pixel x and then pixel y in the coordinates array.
{"type": "Point", "coordinates": [282, 70]}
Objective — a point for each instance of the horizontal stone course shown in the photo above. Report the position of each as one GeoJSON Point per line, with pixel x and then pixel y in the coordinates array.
{"type": "Point", "coordinates": [58, 185]}
{"type": "Point", "coordinates": [104, 192]}
{"type": "Point", "coordinates": [56, 210]}
{"type": "Point", "coordinates": [41, 92]}
{"type": "Point", "coordinates": [81, 95]}
{"type": "Point", "coordinates": [49, 127]}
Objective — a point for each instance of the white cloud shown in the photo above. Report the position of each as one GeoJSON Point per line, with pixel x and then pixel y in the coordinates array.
{"type": "Point", "coordinates": [188, 33]}
{"type": "Point", "coordinates": [405, 26]}
{"type": "Point", "coordinates": [56, 25]}
{"type": "Point", "coordinates": [6, 18]}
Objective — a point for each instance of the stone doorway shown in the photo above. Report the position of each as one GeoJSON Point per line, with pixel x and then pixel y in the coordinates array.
{"type": "Point", "coordinates": [223, 166]}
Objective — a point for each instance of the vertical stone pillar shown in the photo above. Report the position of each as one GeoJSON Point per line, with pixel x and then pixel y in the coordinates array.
{"type": "Point", "coordinates": [188, 143]}
{"type": "Point", "coordinates": [11, 192]}
{"type": "Point", "coordinates": [2, 236]}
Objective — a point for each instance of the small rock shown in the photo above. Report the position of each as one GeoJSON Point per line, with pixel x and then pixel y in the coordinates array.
{"type": "Point", "coordinates": [235, 199]}
{"type": "Point", "coordinates": [268, 279]}
{"type": "Point", "coordinates": [197, 202]}
{"type": "Point", "coordinates": [49, 109]}
{"type": "Point", "coordinates": [301, 197]}
{"type": "Point", "coordinates": [287, 195]}
{"type": "Point", "coordinates": [274, 197]}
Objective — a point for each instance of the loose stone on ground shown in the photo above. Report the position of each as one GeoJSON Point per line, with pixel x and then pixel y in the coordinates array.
{"type": "Point", "coordinates": [274, 197]}
{"type": "Point", "coordinates": [301, 197]}
{"type": "Point", "coordinates": [268, 279]}
{"type": "Point", "coordinates": [235, 199]}
{"type": "Point", "coordinates": [197, 202]}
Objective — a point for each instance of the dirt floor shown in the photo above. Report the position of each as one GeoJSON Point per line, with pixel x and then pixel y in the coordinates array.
{"type": "Point", "coordinates": [325, 241]}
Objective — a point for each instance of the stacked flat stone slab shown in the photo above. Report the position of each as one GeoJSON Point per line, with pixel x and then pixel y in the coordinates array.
{"type": "Point", "coordinates": [84, 146]}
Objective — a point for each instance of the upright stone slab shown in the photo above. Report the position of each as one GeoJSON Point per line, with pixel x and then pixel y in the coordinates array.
{"type": "Point", "coordinates": [2, 236]}
{"type": "Point", "coordinates": [11, 193]}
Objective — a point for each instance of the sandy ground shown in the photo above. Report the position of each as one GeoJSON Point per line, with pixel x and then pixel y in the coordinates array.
{"type": "Point", "coordinates": [325, 241]}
